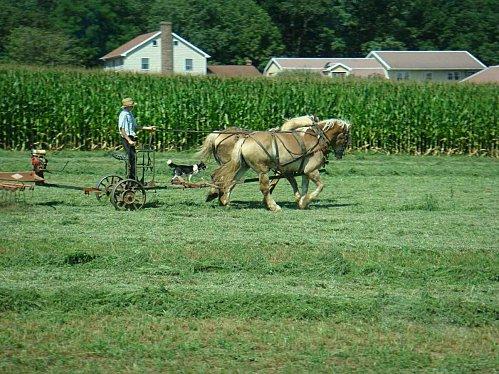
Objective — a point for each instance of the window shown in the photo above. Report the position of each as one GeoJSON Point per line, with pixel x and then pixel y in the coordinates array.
{"type": "Point", "coordinates": [145, 63]}
{"type": "Point", "coordinates": [456, 75]}
{"type": "Point", "coordinates": [188, 64]}
{"type": "Point", "coordinates": [175, 42]}
{"type": "Point", "coordinates": [402, 75]}
{"type": "Point", "coordinates": [429, 76]}
{"type": "Point", "coordinates": [339, 74]}
{"type": "Point", "coordinates": [450, 76]}
{"type": "Point", "coordinates": [154, 43]}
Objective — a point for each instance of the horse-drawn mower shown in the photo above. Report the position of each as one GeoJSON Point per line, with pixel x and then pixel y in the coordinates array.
{"type": "Point", "coordinates": [123, 193]}
{"type": "Point", "coordinates": [287, 152]}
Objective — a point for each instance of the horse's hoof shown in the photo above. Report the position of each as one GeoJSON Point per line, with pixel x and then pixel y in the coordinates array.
{"type": "Point", "coordinates": [275, 208]}
{"type": "Point", "coordinates": [223, 202]}
{"type": "Point", "coordinates": [303, 203]}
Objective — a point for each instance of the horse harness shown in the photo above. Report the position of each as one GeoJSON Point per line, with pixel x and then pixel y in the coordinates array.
{"type": "Point", "coordinates": [320, 146]}
{"type": "Point", "coordinates": [238, 134]}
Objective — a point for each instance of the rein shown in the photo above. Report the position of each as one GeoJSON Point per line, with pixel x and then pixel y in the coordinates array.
{"type": "Point", "coordinates": [320, 136]}
{"type": "Point", "coordinates": [239, 133]}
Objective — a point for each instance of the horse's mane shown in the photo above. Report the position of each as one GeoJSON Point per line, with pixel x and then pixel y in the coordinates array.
{"type": "Point", "coordinates": [328, 123]}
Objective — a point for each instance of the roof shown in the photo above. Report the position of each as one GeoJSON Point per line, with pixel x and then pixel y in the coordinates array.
{"type": "Point", "coordinates": [132, 44]}
{"type": "Point", "coordinates": [354, 63]}
{"type": "Point", "coordinates": [434, 60]}
{"type": "Point", "coordinates": [125, 49]}
{"type": "Point", "coordinates": [322, 63]}
{"type": "Point", "coordinates": [359, 67]}
{"type": "Point", "coordinates": [489, 75]}
{"type": "Point", "coordinates": [234, 70]}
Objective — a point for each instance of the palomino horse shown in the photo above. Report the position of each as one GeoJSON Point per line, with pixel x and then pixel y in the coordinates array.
{"type": "Point", "coordinates": [295, 123]}
{"type": "Point", "coordinates": [303, 151]}
{"type": "Point", "coordinates": [219, 144]}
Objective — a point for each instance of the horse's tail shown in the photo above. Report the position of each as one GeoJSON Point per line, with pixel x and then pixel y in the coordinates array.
{"type": "Point", "coordinates": [225, 175]}
{"type": "Point", "coordinates": [207, 150]}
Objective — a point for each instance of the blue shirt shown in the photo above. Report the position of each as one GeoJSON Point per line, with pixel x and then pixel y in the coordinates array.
{"type": "Point", "coordinates": [127, 122]}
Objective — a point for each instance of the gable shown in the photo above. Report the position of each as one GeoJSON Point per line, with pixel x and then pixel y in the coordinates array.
{"type": "Point", "coordinates": [489, 75]}
{"type": "Point", "coordinates": [141, 40]}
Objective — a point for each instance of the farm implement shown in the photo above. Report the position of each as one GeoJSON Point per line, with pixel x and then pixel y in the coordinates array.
{"type": "Point", "coordinates": [123, 193]}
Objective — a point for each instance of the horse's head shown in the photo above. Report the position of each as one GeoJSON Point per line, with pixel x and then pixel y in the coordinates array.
{"type": "Point", "coordinates": [338, 134]}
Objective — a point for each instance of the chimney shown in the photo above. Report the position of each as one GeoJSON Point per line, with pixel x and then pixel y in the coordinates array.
{"type": "Point", "coordinates": [166, 48]}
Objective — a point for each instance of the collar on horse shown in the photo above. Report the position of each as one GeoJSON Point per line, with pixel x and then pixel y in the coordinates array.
{"type": "Point", "coordinates": [321, 146]}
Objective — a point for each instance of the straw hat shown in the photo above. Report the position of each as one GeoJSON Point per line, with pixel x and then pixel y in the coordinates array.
{"type": "Point", "coordinates": [127, 102]}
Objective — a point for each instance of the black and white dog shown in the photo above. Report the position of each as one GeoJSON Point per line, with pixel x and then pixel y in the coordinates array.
{"type": "Point", "coordinates": [185, 170]}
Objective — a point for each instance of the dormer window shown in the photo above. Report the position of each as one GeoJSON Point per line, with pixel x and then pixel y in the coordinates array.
{"type": "Point", "coordinates": [154, 43]}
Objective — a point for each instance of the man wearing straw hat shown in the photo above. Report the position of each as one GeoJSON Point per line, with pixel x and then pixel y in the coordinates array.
{"type": "Point", "coordinates": [128, 127]}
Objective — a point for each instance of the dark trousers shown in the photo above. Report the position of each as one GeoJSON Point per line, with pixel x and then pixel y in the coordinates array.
{"type": "Point", "coordinates": [130, 151]}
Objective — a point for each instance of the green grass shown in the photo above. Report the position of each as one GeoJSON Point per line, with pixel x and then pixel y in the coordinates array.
{"type": "Point", "coordinates": [393, 269]}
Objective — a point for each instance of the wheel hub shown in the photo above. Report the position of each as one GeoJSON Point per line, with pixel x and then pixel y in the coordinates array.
{"type": "Point", "coordinates": [128, 197]}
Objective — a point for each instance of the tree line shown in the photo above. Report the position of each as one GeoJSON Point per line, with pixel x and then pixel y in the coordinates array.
{"type": "Point", "coordinates": [68, 32]}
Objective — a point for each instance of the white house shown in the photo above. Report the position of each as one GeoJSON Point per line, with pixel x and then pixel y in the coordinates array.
{"type": "Point", "coordinates": [428, 65]}
{"type": "Point", "coordinates": [155, 53]}
{"type": "Point", "coordinates": [397, 65]}
{"type": "Point", "coordinates": [328, 66]}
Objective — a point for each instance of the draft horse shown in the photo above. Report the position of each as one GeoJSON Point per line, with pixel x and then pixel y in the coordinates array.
{"type": "Point", "coordinates": [219, 144]}
{"type": "Point", "coordinates": [303, 151]}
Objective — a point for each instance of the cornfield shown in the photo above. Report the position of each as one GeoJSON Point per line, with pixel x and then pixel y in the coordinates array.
{"type": "Point", "coordinates": [79, 109]}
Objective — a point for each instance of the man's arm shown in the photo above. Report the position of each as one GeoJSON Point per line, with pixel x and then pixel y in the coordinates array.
{"type": "Point", "coordinates": [127, 138]}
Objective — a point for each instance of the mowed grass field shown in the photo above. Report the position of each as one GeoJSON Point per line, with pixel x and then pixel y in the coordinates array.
{"type": "Point", "coordinates": [394, 268]}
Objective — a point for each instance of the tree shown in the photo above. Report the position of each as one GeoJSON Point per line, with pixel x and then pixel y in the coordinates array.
{"type": "Point", "coordinates": [19, 13]}
{"type": "Point", "coordinates": [99, 26]}
{"type": "Point", "coordinates": [231, 31]}
{"type": "Point", "coordinates": [31, 45]}
{"type": "Point", "coordinates": [309, 28]}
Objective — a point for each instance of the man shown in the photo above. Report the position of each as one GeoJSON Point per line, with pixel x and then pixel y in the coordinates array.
{"type": "Point", "coordinates": [128, 127]}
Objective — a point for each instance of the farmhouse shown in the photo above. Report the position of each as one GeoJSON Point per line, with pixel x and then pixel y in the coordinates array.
{"type": "Point", "coordinates": [158, 52]}
{"type": "Point", "coordinates": [397, 65]}
{"type": "Point", "coordinates": [489, 75]}
{"type": "Point", "coordinates": [428, 65]}
{"type": "Point", "coordinates": [329, 66]}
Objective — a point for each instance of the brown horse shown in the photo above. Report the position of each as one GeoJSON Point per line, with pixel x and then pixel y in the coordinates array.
{"type": "Point", "coordinates": [287, 153]}
{"type": "Point", "coordinates": [219, 144]}
{"type": "Point", "coordinates": [295, 123]}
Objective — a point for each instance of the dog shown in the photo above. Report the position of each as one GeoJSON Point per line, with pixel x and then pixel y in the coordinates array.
{"type": "Point", "coordinates": [180, 171]}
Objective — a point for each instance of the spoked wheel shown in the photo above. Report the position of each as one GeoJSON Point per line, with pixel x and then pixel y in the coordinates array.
{"type": "Point", "coordinates": [106, 184]}
{"type": "Point", "coordinates": [128, 194]}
